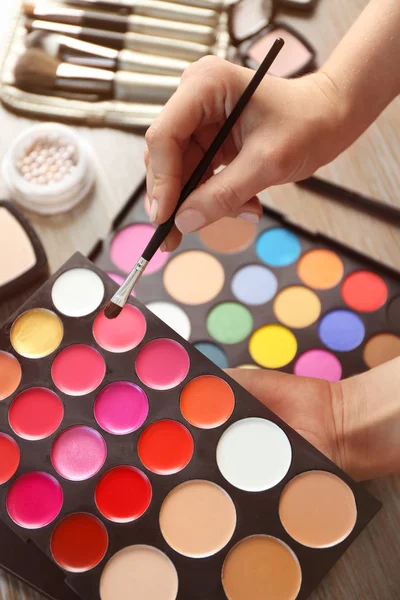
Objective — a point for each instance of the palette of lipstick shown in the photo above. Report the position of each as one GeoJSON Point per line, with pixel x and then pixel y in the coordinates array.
{"type": "Point", "coordinates": [132, 465]}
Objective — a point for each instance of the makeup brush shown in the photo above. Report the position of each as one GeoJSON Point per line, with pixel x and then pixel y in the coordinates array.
{"type": "Point", "coordinates": [202, 34]}
{"type": "Point", "coordinates": [126, 7]}
{"type": "Point", "coordinates": [76, 52]}
{"type": "Point", "coordinates": [383, 211]}
{"type": "Point", "coordinates": [158, 9]}
{"type": "Point", "coordinates": [120, 298]}
{"type": "Point", "coordinates": [183, 49]}
{"type": "Point", "coordinates": [35, 69]}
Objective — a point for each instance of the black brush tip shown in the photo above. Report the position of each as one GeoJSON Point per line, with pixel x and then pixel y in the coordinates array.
{"type": "Point", "coordinates": [112, 310]}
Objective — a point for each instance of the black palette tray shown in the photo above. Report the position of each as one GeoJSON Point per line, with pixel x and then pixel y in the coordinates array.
{"type": "Point", "coordinates": [257, 512]}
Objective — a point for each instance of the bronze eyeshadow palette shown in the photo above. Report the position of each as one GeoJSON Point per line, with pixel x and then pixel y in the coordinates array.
{"type": "Point", "coordinates": [271, 295]}
{"type": "Point", "coordinates": [134, 467]}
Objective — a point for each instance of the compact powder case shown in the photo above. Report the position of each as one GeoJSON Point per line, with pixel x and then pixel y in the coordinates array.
{"type": "Point", "coordinates": [23, 260]}
{"type": "Point", "coordinates": [271, 295]}
{"type": "Point", "coordinates": [297, 57]}
{"type": "Point", "coordinates": [305, 5]}
{"type": "Point", "coordinates": [136, 466]}
{"type": "Point", "coordinates": [248, 17]}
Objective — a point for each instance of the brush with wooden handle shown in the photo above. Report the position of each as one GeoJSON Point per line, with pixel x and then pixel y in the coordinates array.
{"type": "Point", "coordinates": [158, 9]}
{"type": "Point", "coordinates": [202, 34]}
{"type": "Point", "coordinates": [150, 44]}
{"type": "Point", "coordinates": [36, 69]}
{"type": "Point", "coordinates": [77, 52]}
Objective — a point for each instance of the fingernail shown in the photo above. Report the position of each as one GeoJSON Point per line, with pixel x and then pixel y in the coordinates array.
{"type": "Point", "coordinates": [248, 216]}
{"type": "Point", "coordinates": [153, 210]}
{"type": "Point", "coordinates": [190, 220]}
{"type": "Point", "coordinates": [163, 247]}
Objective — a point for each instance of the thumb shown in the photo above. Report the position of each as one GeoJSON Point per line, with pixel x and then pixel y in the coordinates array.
{"type": "Point", "coordinates": [302, 402]}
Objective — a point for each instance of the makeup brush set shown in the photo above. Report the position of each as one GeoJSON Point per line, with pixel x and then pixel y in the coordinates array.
{"type": "Point", "coordinates": [117, 62]}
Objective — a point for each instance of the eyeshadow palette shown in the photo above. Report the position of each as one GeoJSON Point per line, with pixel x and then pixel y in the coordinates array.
{"type": "Point", "coordinates": [23, 258]}
{"type": "Point", "coordinates": [140, 469]}
{"type": "Point", "coordinates": [270, 295]}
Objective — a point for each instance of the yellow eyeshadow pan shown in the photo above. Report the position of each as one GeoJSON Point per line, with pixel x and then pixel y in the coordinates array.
{"type": "Point", "coordinates": [139, 469]}
{"type": "Point", "coordinates": [36, 333]}
{"type": "Point", "coordinates": [297, 307]}
{"type": "Point", "coordinates": [273, 346]}
{"type": "Point", "coordinates": [270, 295]}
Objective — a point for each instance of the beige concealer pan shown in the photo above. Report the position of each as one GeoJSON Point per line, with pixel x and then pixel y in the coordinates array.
{"type": "Point", "coordinates": [318, 509]}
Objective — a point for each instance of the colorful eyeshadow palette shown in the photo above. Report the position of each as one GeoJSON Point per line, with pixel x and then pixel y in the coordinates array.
{"type": "Point", "coordinates": [139, 469]}
{"type": "Point", "coordinates": [270, 295]}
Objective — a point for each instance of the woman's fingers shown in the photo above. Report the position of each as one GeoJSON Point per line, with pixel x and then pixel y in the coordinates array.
{"type": "Point", "coordinates": [199, 101]}
{"type": "Point", "coordinates": [226, 193]}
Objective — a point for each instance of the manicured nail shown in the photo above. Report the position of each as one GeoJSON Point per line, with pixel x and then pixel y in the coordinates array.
{"type": "Point", "coordinates": [190, 220]}
{"type": "Point", "coordinates": [153, 211]}
{"type": "Point", "coordinates": [248, 216]}
{"type": "Point", "coordinates": [163, 247]}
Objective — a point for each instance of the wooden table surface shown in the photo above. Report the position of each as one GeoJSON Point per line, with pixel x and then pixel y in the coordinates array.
{"type": "Point", "coordinates": [370, 570]}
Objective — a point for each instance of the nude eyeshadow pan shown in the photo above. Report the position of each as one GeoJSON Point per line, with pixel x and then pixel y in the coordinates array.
{"type": "Point", "coordinates": [137, 468]}
{"type": "Point", "coordinates": [270, 295]}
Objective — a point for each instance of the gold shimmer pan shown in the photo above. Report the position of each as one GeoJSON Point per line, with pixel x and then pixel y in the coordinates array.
{"type": "Point", "coordinates": [135, 467]}
{"type": "Point", "coordinates": [271, 295]}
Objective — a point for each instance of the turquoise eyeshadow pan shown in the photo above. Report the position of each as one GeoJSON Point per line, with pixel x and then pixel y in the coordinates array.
{"type": "Point", "coordinates": [213, 353]}
{"type": "Point", "coordinates": [278, 247]}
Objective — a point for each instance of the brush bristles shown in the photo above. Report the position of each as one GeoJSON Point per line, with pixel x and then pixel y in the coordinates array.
{"type": "Point", "coordinates": [112, 310]}
{"type": "Point", "coordinates": [35, 69]}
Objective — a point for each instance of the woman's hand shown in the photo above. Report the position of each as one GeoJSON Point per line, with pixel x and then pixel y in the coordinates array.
{"type": "Point", "coordinates": [355, 422]}
{"type": "Point", "coordinates": [288, 130]}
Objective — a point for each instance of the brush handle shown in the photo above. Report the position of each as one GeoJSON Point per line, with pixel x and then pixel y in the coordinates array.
{"type": "Point", "coordinates": [163, 230]}
{"type": "Point", "coordinates": [144, 87]}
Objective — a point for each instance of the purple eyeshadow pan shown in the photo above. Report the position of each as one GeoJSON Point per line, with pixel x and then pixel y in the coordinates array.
{"type": "Point", "coordinates": [341, 330]}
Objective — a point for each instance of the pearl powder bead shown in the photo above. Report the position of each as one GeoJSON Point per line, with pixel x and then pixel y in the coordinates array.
{"type": "Point", "coordinates": [47, 160]}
